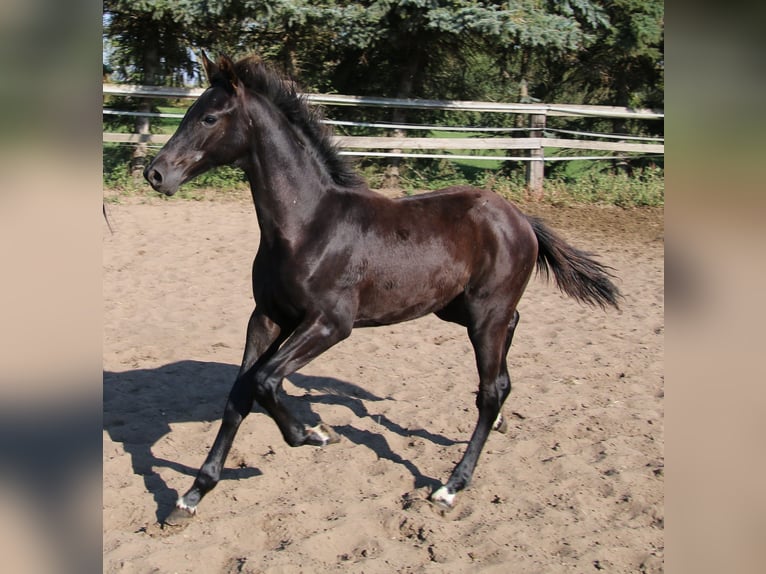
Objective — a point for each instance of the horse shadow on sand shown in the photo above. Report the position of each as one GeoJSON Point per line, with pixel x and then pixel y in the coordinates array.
{"type": "Point", "coordinates": [139, 407]}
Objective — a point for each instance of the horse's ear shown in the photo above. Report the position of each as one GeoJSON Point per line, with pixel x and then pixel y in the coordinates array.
{"type": "Point", "coordinates": [211, 70]}
{"type": "Point", "coordinates": [227, 72]}
{"type": "Point", "coordinates": [221, 72]}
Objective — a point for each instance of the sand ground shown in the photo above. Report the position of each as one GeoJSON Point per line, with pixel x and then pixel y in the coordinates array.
{"type": "Point", "coordinates": [576, 485]}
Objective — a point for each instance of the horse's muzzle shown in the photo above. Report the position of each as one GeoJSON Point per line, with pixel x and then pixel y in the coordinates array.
{"type": "Point", "coordinates": [159, 181]}
{"type": "Point", "coordinates": [153, 176]}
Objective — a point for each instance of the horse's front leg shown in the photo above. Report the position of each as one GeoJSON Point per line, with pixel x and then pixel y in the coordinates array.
{"type": "Point", "coordinates": [263, 339]}
{"type": "Point", "coordinates": [313, 337]}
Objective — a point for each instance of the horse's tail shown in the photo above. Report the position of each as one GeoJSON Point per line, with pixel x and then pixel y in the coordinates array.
{"type": "Point", "coordinates": [106, 218]}
{"type": "Point", "coordinates": [577, 274]}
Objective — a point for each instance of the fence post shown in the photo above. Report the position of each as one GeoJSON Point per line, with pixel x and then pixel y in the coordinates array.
{"type": "Point", "coordinates": [535, 165]}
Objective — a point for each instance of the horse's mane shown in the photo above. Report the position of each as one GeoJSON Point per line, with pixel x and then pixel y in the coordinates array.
{"type": "Point", "coordinates": [282, 91]}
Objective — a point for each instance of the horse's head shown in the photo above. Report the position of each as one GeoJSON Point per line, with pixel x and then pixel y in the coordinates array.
{"type": "Point", "coordinates": [212, 133]}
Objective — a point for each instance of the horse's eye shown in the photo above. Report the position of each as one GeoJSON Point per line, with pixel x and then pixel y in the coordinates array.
{"type": "Point", "coordinates": [209, 120]}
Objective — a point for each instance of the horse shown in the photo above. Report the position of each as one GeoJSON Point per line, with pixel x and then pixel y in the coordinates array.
{"type": "Point", "coordinates": [335, 255]}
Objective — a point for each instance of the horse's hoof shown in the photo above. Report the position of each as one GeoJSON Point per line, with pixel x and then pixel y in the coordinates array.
{"type": "Point", "coordinates": [322, 435]}
{"type": "Point", "coordinates": [178, 518]}
{"type": "Point", "coordinates": [443, 499]}
{"type": "Point", "coordinates": [501, 425]}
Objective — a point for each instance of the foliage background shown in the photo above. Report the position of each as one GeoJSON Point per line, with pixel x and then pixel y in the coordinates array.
{"type": "Point", "coordinates": [608, 52]}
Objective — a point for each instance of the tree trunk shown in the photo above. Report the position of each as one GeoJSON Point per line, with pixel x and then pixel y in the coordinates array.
{"type": "Point", "coordinates": [619, 125]}
{"type": "Point", "coordinates": [142, 126]}
{"type": "Point", "coordinates": [535, 166]}
{"type": "Point", "coordinates": [151, 66]}
{"type": "Point", "coordinates": [289, 56]}
{"type": "Point", "coordinates": [410, 73]}
{"type": "Point", "coordinates": [520, 120]}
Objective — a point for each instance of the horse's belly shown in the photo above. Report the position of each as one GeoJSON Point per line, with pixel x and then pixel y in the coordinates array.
{"type": "Point", "coordinates": [392, 301]}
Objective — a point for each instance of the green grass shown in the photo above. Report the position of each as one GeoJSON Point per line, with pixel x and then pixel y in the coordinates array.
{"type": "Point", "coordinates": [590, 182]}
{"type": "Point", "coordinates": [169, 125]}
{"type": "Point", "coordinates": [226, 181]}
{"type": "Point", "coordinates": [644, 190]}
{"type": "Point", "coordinates": [596, 187]}
{"type": "Point", "coordinates": [470, 166]}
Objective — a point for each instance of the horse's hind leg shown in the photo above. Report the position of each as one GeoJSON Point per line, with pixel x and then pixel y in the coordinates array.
{"type": "Point", "coordinates": [491, 342]}
{"type": "Point", "coordinates": [504, 380]}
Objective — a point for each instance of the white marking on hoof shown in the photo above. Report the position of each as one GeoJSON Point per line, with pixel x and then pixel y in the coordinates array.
{"type": "Point", "coordinates": [183, 506]}
{"type": "Point", "coordinates": [499, 422]}
{"type": "Point", "coordinates": [443, 497]}
{"type": "Point", "coordinates": [319, 432]}
{"type": "Point", "coordinates": [324, 433]}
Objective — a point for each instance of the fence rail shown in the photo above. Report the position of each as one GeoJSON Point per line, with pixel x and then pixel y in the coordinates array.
{"type": "Point", "coordinates": [381, 143]}
{"type": "Point", "coordinates": [535, 143]}
{"type": "Point", "coordinates": [456, 105]}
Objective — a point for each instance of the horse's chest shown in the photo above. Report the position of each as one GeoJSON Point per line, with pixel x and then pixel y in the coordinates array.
{"type": "Point", "coordinates": [280, 289]}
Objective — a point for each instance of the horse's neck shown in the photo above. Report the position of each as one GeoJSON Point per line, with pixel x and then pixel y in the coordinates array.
{"type": "Point", "coordinates": [286, 180]}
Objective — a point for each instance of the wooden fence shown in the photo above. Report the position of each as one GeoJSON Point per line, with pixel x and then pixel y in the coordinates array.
{"type": "Point", "coordinates": [535, 143]}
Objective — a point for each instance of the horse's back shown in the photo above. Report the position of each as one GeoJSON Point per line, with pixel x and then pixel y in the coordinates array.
{"type": "Point", "coordinates": [484, 212]}
{"type": "Point", "coordinates": [419, 253]}
{"type": "Point", "coordinates": [461, 196]}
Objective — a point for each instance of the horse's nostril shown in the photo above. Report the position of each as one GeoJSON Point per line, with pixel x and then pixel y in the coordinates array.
{"type": "Point", "coordinates": [155, 177]}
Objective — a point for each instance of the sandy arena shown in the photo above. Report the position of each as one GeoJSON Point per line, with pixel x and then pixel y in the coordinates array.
{"type": "Point", "coordinates": [576, 485]}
